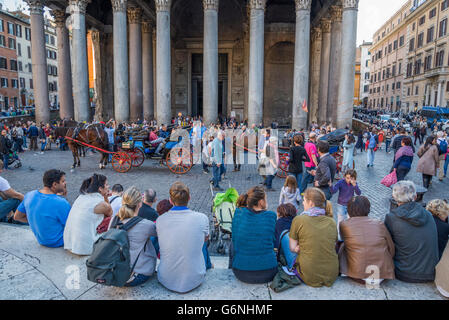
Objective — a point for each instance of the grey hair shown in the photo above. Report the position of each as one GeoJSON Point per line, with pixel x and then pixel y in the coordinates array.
{"type": "Point", "coordinates": [150, 195]}
{"type": "Point", "coordinates": [440, 134]}
{"type": "Point", "coordinates": [404, 191]}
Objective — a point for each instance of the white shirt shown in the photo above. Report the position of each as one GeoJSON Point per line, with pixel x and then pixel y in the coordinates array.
{"type": "Point", "coordinates": [116, 204]}
{"type": "Point", "coordinates": [4, 185]}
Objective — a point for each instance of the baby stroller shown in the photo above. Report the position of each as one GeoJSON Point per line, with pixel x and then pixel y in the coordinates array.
{"type": "Point", "coordinates": [14, 158]}
{"type": "Point", "coordinates": [223, 210]}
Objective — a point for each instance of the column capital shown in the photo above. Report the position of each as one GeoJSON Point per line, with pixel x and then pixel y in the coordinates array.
{"type": "Point", "coordinates": [336, 13]}
{"type": "Point", "coordinates": [350, 4]}
{"type": "Point", "coordinates": [210, 4]}
{"type": "Point", "coordinates": [303, 5]}
{"type": "Point", "coordinates": [325, 25]}
{"type": "Point", "coordinates": [78, 6]}
{"type": "Point", "coordinates": [134, 15]}
{"type": "Point", "coordinates": [58, 17]}
{"type": "Point", "coordinates": [119, 5]}
{"type": "Point", "coordinates": [257, 4]}
{"type": "Point", "coordinates": [147, 26]}
{"type": "Point", "coordinates": [36, 6]}
{"type": "Point", "coordinates": [316, 34]}
{"type": "Point", "coordinates": [163, 5]}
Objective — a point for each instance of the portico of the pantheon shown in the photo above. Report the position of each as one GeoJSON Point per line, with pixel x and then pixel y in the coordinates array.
{"type": "Point", "coordinates": [256, 59]}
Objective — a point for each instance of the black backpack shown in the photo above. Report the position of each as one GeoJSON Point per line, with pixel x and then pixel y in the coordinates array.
{"type": "Point", "coordinates": [109, 263]}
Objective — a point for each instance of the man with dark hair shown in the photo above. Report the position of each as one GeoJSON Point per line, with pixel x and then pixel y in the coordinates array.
{"type": "Point", "coordinates": [325, 172]}
{"type": "Point", "coordinates": [46, 210]}
{"type": "Point", "coordinates": [397, 142]}
{"type": "Point", "coordinates": [147, 211]}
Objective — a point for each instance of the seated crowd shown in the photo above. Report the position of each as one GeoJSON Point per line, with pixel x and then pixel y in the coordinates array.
{"type": "Point", "coordinates": [410, 245]}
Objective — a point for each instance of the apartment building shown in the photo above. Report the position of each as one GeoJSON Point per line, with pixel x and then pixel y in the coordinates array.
{"type": "Point", "coordinates": [9, 83]}
{"type": "Point", "coordinates": [388, 66]}
{"type": "Point", "coordinates": [52, 62]}
{"type": "Point", "coordinates": [427, 60]}
{"type": "Point", "coordinates": [358, 56]}
{"type": "Point", "coordinates": [365, 73]}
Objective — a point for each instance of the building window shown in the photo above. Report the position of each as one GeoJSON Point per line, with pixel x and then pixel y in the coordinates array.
{"type": "Point", "coordinates": [18, 30]}
{"type": "Point", "coordinates": [30, 68]}
{"type": "Point", "coordinates": [22, 83]}
{"type": "Point", "coordinates": [4, 82]}
{"type": "Point", "coordinates": [418, 66]}
{"type": "Point", "coordinates": [31, 84]}
{"type": "Point", "coordinates": [432, 13]}
{"type": "Point", "coordinates": [29, 52]}
{"type": "Point", "coordinates": [2, 29]}
{"type": "Point", "coordinates": [11, 29]}
{"type": "Point", "coordinates": [386, 50]}
{"type": "Point", "coordinates": [413, 26]}
{"type": "Point", "coordinates": [27, 33]}
{"type": "Point", "coordinates": [13, 65]}
{"type": "Point", "coordinates": [444, 5]}
{"type": "Point", "coordinates": [412, 45]}
{"type": "Point", "coordinates": [14, 83]}
{"type": "Point", "coordinates": [422, 20]}
{"type": "Point", "coordinates": [408, 91]}
{"type": "Point", "coordinates": [393, 72]}
{"type": "Point", "coordinates": [46, 39]}
{"type": "Point", "coordinates": [52, 40]}
{"type": "Point", "coordinates": [2, 41]}
{"type": "Point", "coordinates": [420, 40]}
{"type": "Point", "coordinates": [19, 49]}
{"type": "Point", "coordinates": [3, 63]}
{"type": "Point", "coordinates": [395, 44]}
{"type": "Point", "coordinates": [389, 48]}
{"type": "Point", "coordinates": [427, 63]}
{"type": "Point", "coordinates": [416, 90]}
{"type": "Point", "coordinates": [398, 85]}
{"type": "Point", "coordinates": [20, 66]}
{"type": "Point", "coordinates": [430, 32]}
{"type": "Point", "coordinates": [401, 41]}
{"type": "Point", "coordinates": [439, 61]}
{"type": "Point", "coordinates": [443, 27]}
{"type": "Point", "coordinates": [400, 68]}
{"type": "Point", "coordinates": [393, 86]}
{"type": "Point", "coordinates": [388, 86]}
{"type": "Point", "coordinates": [12, 43]}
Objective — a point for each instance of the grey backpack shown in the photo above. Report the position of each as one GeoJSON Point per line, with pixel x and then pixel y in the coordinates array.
{"type": "Point", "coordinates": [109, 263]}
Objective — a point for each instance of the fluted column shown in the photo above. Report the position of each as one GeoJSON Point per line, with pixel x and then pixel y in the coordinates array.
{"type": "Point", "coordinates": [147, 70]}
{"type": "Point", "coordinates": [80, 74]}
{"type": "Point", "coordinates": [315, 74]}
{"type": "Point", "coordinates": [324, 69]}
{"type": "Point", "coordinates": [163, 62]}
{"type": "Point", "coordinates": [345, 107]}
{"type": "Point", "coordinates": [135, 63]}
{"type": "Point", "coordinates": [39, 61]}
{"type": "Point", "coordinates": [210, 61]}
{"type": "Point", "coordinates": [256, 61]}
{"type": "Point", "coordinates": [64, 66]}
{"type": "Point", "coordinates": [98, 52]}
{"type": "Point", "coordinates": [334, 68]}
{"type": "Point", "coordinates": [121, 84]}
{"type": "Point", "coordinates": [301, 71]}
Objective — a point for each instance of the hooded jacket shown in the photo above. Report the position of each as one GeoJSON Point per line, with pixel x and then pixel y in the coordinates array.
{"type": "Point", "coordinates": [414, 234]}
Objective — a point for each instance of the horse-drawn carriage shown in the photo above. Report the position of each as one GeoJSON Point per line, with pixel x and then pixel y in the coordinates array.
{"type": "Point", "coordinates": [335, 140]}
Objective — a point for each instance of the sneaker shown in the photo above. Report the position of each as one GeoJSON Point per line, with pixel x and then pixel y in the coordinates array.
{"type": "Point", "coordinates": [205, 171]}
{"type": "Point", "coordinates": [42, 152]}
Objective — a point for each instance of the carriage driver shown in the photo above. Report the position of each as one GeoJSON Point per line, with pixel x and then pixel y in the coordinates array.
{"type": "Point", "coordinates": [156, 141]}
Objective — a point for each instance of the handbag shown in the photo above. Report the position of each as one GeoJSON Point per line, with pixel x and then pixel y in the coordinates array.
{"type": "Point", "coordinates": [390, 179]}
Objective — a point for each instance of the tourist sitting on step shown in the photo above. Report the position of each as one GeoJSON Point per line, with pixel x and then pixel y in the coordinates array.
{"type": "Point", "coordinates": [367, 243]}
{"type": "Point", "coordinates": [440, 211]}
{"type": "Point", "coordinates": [87, 213]}
{"type": "Point", "coordinates": [181, 235]}
{"type": "Point", "coordinates": [414, 234]}
{"type": "Point", "coordinates": [252, 255]}
{"type": "Point", "coordinates": [10, 198]}
{"type": "Point", "coordinates": [313, 236]}
{"type": "Point", "coordinates": [442, 273]}
{"type": "Point", "coordinates": [45, 210]}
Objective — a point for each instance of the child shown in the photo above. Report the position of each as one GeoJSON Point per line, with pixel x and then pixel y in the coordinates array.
{"type": "Point", "coordinates": [347, 188]}
{"type": "Point", "coordinates": [285, 214]}
{"type": "Point", "coordinates": [290, 193]}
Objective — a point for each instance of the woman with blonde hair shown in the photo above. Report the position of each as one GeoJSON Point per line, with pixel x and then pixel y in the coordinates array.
{"type": "Point", "coordinates": [141, 249]}
{"type": "Point", "coordinates": [440, 211]}
{"type": "Point", "coordinates": [313, 236]}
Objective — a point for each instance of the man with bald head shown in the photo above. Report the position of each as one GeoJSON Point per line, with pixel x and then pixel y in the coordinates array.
{"type": "Point", "coordinates": [147, 211]}
{"type": "Point", "coordinates": [312, 152]}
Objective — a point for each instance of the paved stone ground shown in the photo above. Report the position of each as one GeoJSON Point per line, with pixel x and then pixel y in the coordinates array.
{"type": "Point", "coordinates": [152, 175]}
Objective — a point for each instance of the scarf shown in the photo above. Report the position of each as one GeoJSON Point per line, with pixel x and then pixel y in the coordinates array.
{"type": "Point", "coordinates": [404, 151]}
{"type": "Point", "coordinates": [314, 212]}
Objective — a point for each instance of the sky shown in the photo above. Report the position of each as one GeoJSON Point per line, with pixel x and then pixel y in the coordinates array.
{"type": "Point", "coordinates": [372, 15]}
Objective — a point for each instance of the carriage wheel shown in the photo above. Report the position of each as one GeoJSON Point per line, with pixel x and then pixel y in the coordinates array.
{"type": "Point", "coordinates": [283, 166]}
{"type": "Point", "coordinates": [121, 162]}
{"type": "Point", "coordinates": [137, 157]}
{"type": "Point", "coordinates": [182, 164]}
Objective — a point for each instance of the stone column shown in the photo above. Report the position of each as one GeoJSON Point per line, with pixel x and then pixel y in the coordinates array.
{"type": "Point", "coordinates": [64, 66]}
{"type": "Point", "coordinates": [39, 61]}
{"type": "Point", "coordinates": [121, 84]}
{"type": "Point", "coordinates": [163, 62]}
{"type": "Point", "coordinates": [345, 107]}
{"type": "Point", "coordinates": [256, 61]}
{"type": "Point", "coordinates": [324, 69]}
{"type": "Point", "coordinates": [302, 60]}
{"type": "Point", "coordinates": [147, 70]}
{"type": "Point", "coordinates": [100, 112]}
{"type": "Point", "coordinates": [432, 94]}
{"type": "Point", "coordinates": [439, 95]}
{"type": "Point", "coordinates": [80, 74]}
{"type": "Point", "coordinates": [135, 63]}
{"type": "Point", "coordinates": [210, 62]}
{"type": "Point", "coordinates": [315, 74]}
{"type": "Point", "coordinates": [334, 68]}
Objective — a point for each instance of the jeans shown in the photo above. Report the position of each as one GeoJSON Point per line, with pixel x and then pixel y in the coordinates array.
{"type": "Point", "coordinates": [426, 179]}
{"type": "Point", "coordinates": [110, 148]}
{"type": "Point", "coordinates": [370, 157]}
{"type": "Point", "coordinates": [269, 181]}
{"type": "Point", "coordinates": [206, 256]}
{"type": "Point", "coordinates": [401, 173]}
{"type": "Point", "coordinates": [6, 206]}
{"type": "Point", "coordinates": [43, 145]}
{"type": "Point", "coordinates": [290, 257]}
{"type": "Point", "coordinates": [387, 144]}
{"type": "Point", "coordinates": [24, 143]}
{"type": "Point", "coordinates": [298, 177]}
{"type": "Point", "coordinates": [446, 164]}
{"type": "Point", "coordinates": [306, 179]}
{"type": "Point", "coordinates": [158, 141]}
{"type": "Point", "coordinates": [340, 215]}
{"type": "Point", "coordinates": [138, 280]}
{"type": "Point", "coordinates": [5, 161]}
{"type": "Point", "coordinates": [327, 192]}
{"type": "Point", "coordinates": [216, 176]}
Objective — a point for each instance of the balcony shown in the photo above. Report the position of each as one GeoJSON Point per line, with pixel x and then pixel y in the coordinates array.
{"type": "Point", "coordinates": [436, 72]}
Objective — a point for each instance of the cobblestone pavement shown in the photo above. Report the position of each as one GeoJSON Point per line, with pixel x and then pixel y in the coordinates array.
{"type": "Point", "coordinates": [152, 175]}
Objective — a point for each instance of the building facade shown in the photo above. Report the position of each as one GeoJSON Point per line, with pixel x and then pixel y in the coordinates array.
{"type": "Point", "coordinates": [358, 60]}
{"type": "Point", "coordinates": [365, 73]}
{"type": "Point", "coordinates": [427, 58]}
{"type": "Point", "coordinates": [251, 59]}
{"type": "Point", "coordinates": [51, 47]}
{"type": "Point", "coordinates": [9, 78]}
{"type": "Point", "coordinates": [388, 65]}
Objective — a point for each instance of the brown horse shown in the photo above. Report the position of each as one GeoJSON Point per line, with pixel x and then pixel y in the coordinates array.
{"type": "Point", "coordinates": [94, 136]}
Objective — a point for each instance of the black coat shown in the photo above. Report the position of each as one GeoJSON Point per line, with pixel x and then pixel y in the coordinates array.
{"type": "Point", "coordinates": [5, 145]}
{"type": "Point", "coordinates": [297, 155]}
